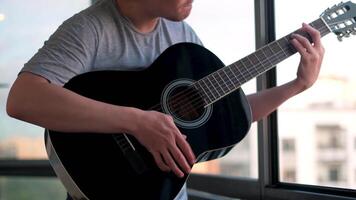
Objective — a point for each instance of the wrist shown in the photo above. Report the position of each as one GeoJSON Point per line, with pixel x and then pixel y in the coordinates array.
{"type": "Point", "coordinates": [133, 118]}
{"type": "Point", "coordinates": [299, 85]}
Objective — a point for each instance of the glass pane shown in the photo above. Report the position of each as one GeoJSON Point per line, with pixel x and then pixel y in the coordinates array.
{"type": "Point", "coordinates": [227, 29]}
{"type": "Point", "coordinates": [317, 128]}
{"type": "Point", "coordinates": [28, 188]}
{"type": "Point", "coordinates": [24, 26]}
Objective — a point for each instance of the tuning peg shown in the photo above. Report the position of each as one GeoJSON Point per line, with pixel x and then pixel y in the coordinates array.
{"type": "Point", "coordinates": [339, 38]}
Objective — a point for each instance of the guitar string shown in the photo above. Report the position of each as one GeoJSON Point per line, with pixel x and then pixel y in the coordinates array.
{"type": "Point", "coordinates": [323, 27]}
{"type": "Point", "coordinates": [263, 61]}
{"type": "Point", "coordinates": [228, 73]}
{"type": "Point", "coordinates": [245, 71]}
{"type": "Point", "coordinates": [198, 101]}
{"type": "Point", "coordinates": [211, 93]}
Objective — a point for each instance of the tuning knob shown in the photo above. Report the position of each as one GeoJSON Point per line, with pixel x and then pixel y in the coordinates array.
{"type": "Point", "coordinates": [339, 37]}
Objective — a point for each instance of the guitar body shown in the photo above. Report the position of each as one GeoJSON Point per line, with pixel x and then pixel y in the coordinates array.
{"type": "Point", "coordinates": [98, 166]}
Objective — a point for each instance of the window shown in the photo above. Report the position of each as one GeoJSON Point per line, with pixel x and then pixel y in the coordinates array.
{"type": "Point", "coordinates": [288, 145]}
{"type": "Point", "coordinates": [332, 173]}
{"type": "Point", "coordinates": [292, 174]}
{"type": "Point", "coordinates": [31, 188]}
{"type": "Point", "coordinates": [24, 27]}
{"type": "Point", "coordinates": [321, 119]}
{"type": "Point", "coordinates": [289, 175]}
{"type": "Point", "coordinates": [330, 137]}
{"type": "Point", "coordinates": [224, 31]}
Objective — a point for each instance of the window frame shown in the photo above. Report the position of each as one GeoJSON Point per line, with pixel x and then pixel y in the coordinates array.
{"type": "Point", "coordinates": [268, 185]}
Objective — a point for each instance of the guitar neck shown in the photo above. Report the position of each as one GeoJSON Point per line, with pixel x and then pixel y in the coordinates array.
{"type": "Point", "coordinates": [226, 80]}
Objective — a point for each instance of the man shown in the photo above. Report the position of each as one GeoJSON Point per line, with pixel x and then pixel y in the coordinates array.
{"type": "Point", "coordinates": [129, 35]}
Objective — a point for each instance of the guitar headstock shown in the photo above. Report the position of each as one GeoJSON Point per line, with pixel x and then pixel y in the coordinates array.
{"type": "Point", "coordinates": [341, 19]}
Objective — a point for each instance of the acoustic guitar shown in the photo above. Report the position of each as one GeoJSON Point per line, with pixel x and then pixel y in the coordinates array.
{"type": "Point", "coordinates": [189, 83]}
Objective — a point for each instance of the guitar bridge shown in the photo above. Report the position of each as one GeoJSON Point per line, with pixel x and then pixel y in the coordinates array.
{"type": "Point", "coordinates": [130, 153]}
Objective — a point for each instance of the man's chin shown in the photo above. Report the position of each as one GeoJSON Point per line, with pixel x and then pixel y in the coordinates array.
{"type": "Point", "coordinates": [179, 17]}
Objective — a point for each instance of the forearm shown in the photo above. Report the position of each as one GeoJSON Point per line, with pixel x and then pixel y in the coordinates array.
{"type": "Point", "coordinates": [266, 101]}
{"type": "Point", "coordinates": [56, 108]}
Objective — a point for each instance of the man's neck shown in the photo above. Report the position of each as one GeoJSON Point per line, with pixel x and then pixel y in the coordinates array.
{"type": "Point", "coordinates": [137, 14]}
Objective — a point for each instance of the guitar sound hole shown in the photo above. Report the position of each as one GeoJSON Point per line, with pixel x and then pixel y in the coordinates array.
{"type": "Point", "coordinates": [185, 103]}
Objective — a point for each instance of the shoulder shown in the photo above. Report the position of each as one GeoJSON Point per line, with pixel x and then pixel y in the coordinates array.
{"type": "Point", "coordinates": [182, 29]}
{"type": "Point", "coordinates": [95, 17]}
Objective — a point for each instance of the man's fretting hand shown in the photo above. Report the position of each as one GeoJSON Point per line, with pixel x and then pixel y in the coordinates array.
{"type": "Point", "coordinates": [311, 56]}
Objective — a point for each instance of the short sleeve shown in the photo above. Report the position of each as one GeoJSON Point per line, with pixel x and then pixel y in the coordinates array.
{"type": "Point", "coordinates": [69, 51]}
{"type": "Point", "coordinates": [191, 35]}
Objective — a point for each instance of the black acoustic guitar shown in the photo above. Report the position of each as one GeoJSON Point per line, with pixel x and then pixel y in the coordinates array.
{"type": "Point", "coordinates": [186, 81]}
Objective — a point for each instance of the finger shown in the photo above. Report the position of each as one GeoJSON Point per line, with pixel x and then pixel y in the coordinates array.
{"type": "Point", "coordinates": [186, 149]}
{"type": "Point", "coordinates": [299, 47]}
{"type": "Point", "coordinates": [314, 34]}
{"type": "Point", "coordinates": [172, 165]}
{"type": "Point", "coordinates": [304, 42]}
{"type": "Point", "coordinates": [161, 165]}
{"type": "Point", "coordinates": [180, 159]}
{"type": "Point", "coordinates": [183, 144]}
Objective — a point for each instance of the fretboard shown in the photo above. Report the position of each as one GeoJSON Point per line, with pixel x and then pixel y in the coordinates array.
{"type": "Point", "coordinates": [227, 79]}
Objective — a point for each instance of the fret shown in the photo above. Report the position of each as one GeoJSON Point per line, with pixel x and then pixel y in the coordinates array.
{"type": "Point", "coordinates": [266, 55]}
{"type": "Point", "coordinates": [217, 84]}
{"type": "Point", "coordinates": [233, 73]}
{"type": "Point", "coordinates": [210, 80]}
{"type": "Point", "coordinates": [291, 50]}
{"type": "Point", "coordinates": [222, 80]}
{"type": "Point", "coordinates": [255, 63]}
{"type": "Point", "coordinates": [313, 24]}
{"type": "Point", "coordinates": [201, 94]}
{"type": "Point", "coordinates": [240, 72]}
{"type": "Point", "coordinates": [263, 59]}
{"type": "Point", "coordinates": [285, 40]}
{"type": "Point", "coordinates": [277, 51]}
{"type": "Point", "coordinates": [277, 42]}
{"type": "Point", "coordinates": [248, 72]}
{"type": "Point", "coordinates": [260, 69]}
{"type": "Point", "coordinates": [321, 26]}
{"type": "Point", "coordinates": [274, 55]}
{"type": "Point", "coordinates": [246, 62]}
{"type": "Point", "coordinates": [323, 29]}
{"type": "Point", "coordinates": [230, 79]}
{"type": "Point", "coordinates": [210, 88]}
{"type": "Point", "coordinates": [204, 91]}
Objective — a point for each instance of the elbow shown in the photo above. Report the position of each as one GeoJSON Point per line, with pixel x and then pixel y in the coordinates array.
{"type": "Point", "coordinates": [21, 96]}
{"type": "Point", "coordinates": [15, 101]}
{"type": "Point", "coordinates": [15, 104]}
{"type": "Point", "coordinates": [12, 109]}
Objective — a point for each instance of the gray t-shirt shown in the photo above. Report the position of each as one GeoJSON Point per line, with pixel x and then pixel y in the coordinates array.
{"type": "Point", "coordinates": [100, 38]}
